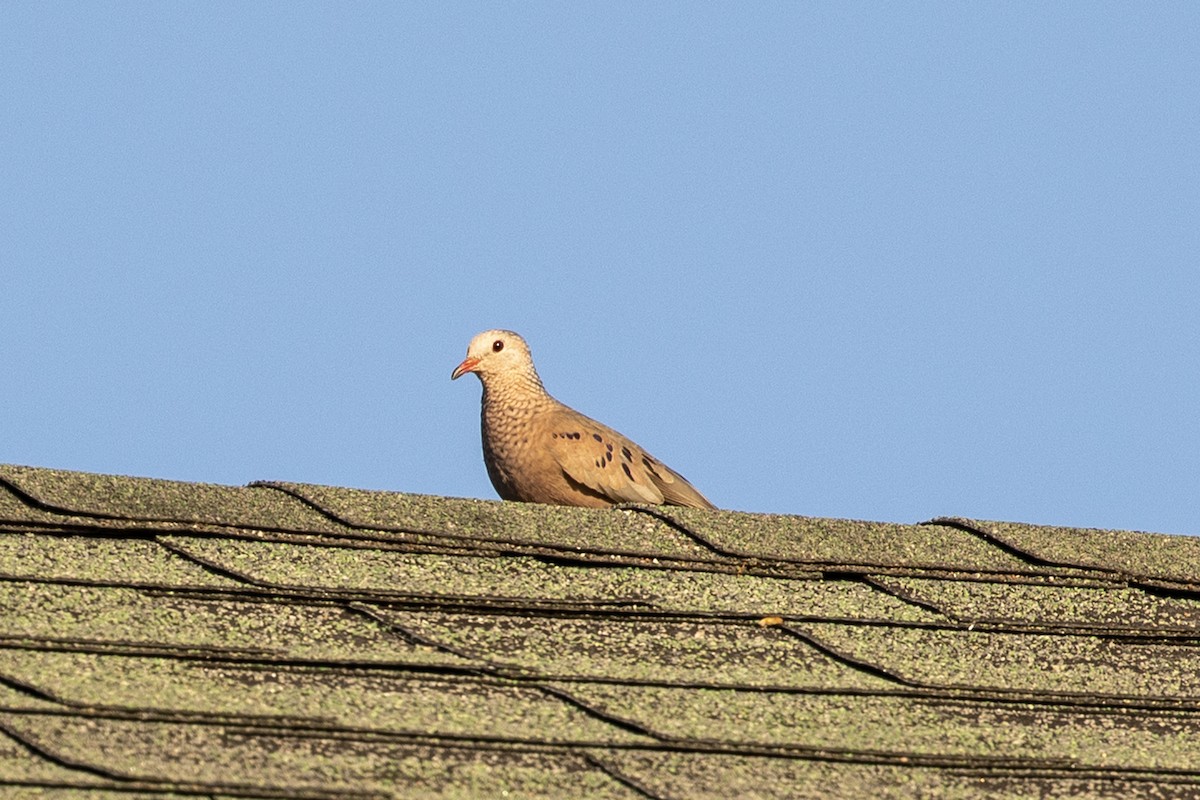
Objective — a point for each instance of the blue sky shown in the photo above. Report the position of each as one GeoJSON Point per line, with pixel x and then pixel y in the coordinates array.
{"type": "Point", "coordinates": [882, 261]}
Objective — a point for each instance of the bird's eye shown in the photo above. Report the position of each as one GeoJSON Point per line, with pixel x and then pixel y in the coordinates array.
{"type": "Point", "coordinates": [497, 345]}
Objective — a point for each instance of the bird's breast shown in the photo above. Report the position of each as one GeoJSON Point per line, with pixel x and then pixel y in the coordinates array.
{"type": "Point", "coordinates": [515, 460]}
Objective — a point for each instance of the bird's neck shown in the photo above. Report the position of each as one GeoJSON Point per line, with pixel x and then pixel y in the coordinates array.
{"type": "Point", "coordinates": [515, 393]}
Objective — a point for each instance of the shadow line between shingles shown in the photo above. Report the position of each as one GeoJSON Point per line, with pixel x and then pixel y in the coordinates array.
{"type": "Point", "coordinates": [29, 689]}
{"type": "Point", "coordinates": [1092, 703]}
{"type": "Point", "coordinates": [524, 546]}
{"type": "Point", "coordinates": [143, 783]}
{"type": "Point", "coordinates": [41, 505]}
{"type": "Point", "coordinates": [848, 568]}
{"type": "Point", "coordinates": [904, 596]}
{"type": "Point", "coordinates": [672, 522]}
{"type": "Point", "coordinates": [620, 777]}
{"type": "Point", "coordinates": [866, 667]}
{"type": "Point", "coordinates": [491, 669]}
{"type": "Point", "coordinates": [968, 527]}
{"type": "Point", "coordinates": [45, 753]}
{"type": "Point", "coordinates": [209, 566]}
{"type": "Point", "coordinates": [1000, 693]}
{"type": "Point", "coordinates": [967, 763]}
{"type": "Point", "coordinates": [132, 521]}
{"type": "Point", "coordinates": [1147, 583]}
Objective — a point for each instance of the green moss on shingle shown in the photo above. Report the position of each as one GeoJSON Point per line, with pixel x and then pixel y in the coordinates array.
{"type": "Point", "coordinates": [559, 527]}
{"type": "Point", "coordinates": [1047, 604]}
{"type": "Point", "coordinates": [85, 558]}
{"type": "Point", "coordinates": [533, 580]}
{"type": "Point", "coordinates": [1033, 662]}
{"type": "Point", "coordinates": [118, 498]}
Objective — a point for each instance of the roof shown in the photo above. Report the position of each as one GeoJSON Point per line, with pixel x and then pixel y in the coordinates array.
{"type": "Point", "coordinates": [286, 640]}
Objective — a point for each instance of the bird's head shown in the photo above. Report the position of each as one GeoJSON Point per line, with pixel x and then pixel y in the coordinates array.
{"type": "Point", "coordinates": [497, 352]}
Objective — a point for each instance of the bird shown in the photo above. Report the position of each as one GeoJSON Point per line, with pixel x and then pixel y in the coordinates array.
{"type": "Point", "coordinates": [538, 450]}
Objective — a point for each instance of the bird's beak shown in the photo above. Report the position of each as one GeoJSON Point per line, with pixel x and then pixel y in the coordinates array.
{"type": "Point", "coordinates": [468, 365]}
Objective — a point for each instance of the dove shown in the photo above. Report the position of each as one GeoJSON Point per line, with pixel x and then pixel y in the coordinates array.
{"type": "Point", "coordinates": [538, 450]}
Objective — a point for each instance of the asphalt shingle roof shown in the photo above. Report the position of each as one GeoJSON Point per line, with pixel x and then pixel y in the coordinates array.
{"type": "Point", "coordinates": [282, 640]}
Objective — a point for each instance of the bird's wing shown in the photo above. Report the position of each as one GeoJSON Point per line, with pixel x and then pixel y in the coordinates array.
{"type": "Point", "coordinates": [675, 489]}
{"type": "Point", "coordinates": [601, 459]}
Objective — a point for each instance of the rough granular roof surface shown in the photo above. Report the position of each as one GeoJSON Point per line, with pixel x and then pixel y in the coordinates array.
{"type": "Point", "coordinates": [165, 639]}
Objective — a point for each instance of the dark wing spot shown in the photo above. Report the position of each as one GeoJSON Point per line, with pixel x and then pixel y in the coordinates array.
{"type": "Point", "coordinates": [649, 465]}
{"type": "Point", "coordinates": [597, 437]}
{"type": "Point", "coordinates": [600, 462]}
{"type": "Point", "coordinates": [628, 455]}
{"type": "Point", "coordinates": [554, 436]}
{"type": "Point", "coordinates": [575, 435]}
{"type": "Point", "coordinates": [609, 446]}
{"type": "Point", "coordinates": [608, 456]}
{"type": "Point", "coordinates": [628, 473]}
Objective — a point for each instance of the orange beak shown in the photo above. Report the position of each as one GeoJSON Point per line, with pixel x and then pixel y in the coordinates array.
{"type": "Point", "coordinates": [468, 365]}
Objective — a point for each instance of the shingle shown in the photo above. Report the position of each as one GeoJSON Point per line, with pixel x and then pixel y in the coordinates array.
{"type": "Point", "coordinates": [535, 581]}
{"type": "Point", "coordinates": [846, 543]}
{"type": "Point", "coordinates": [124, 790]}
{"type": "Point", "coordinates": [1094, 606]}
{"type": "Point", "coordinates": [17, 513]}
{"type": "Point", "coordinates": [117, 619]}
{"type": "Point", "coordinates": [294, 697]}
{"type": "Point", "coordinates": [638, 650]}
{"type": "Point", "coordinates": [237, 760]}
{"type": "Point", "coordinates": [161, 638]}
{"type": "Point", "coordinates": [918, 727]}
{"type": "Point", "coordinates": [131, 561]}
{"type": "Point", "coordinates": [144, 500]}
{"type": "Point", "coordinates": [1149, 555]}
{"type": "Point", "coordinates": [18, 765]}
{"type": "Point", "coordinates": [22, 695]}
{"type": "Point", "coordinates": [721, 776]}
{"type": "Point", "coordinates": [1148, 667]}
{"type": "Point", "coordinates": [578, 530]}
